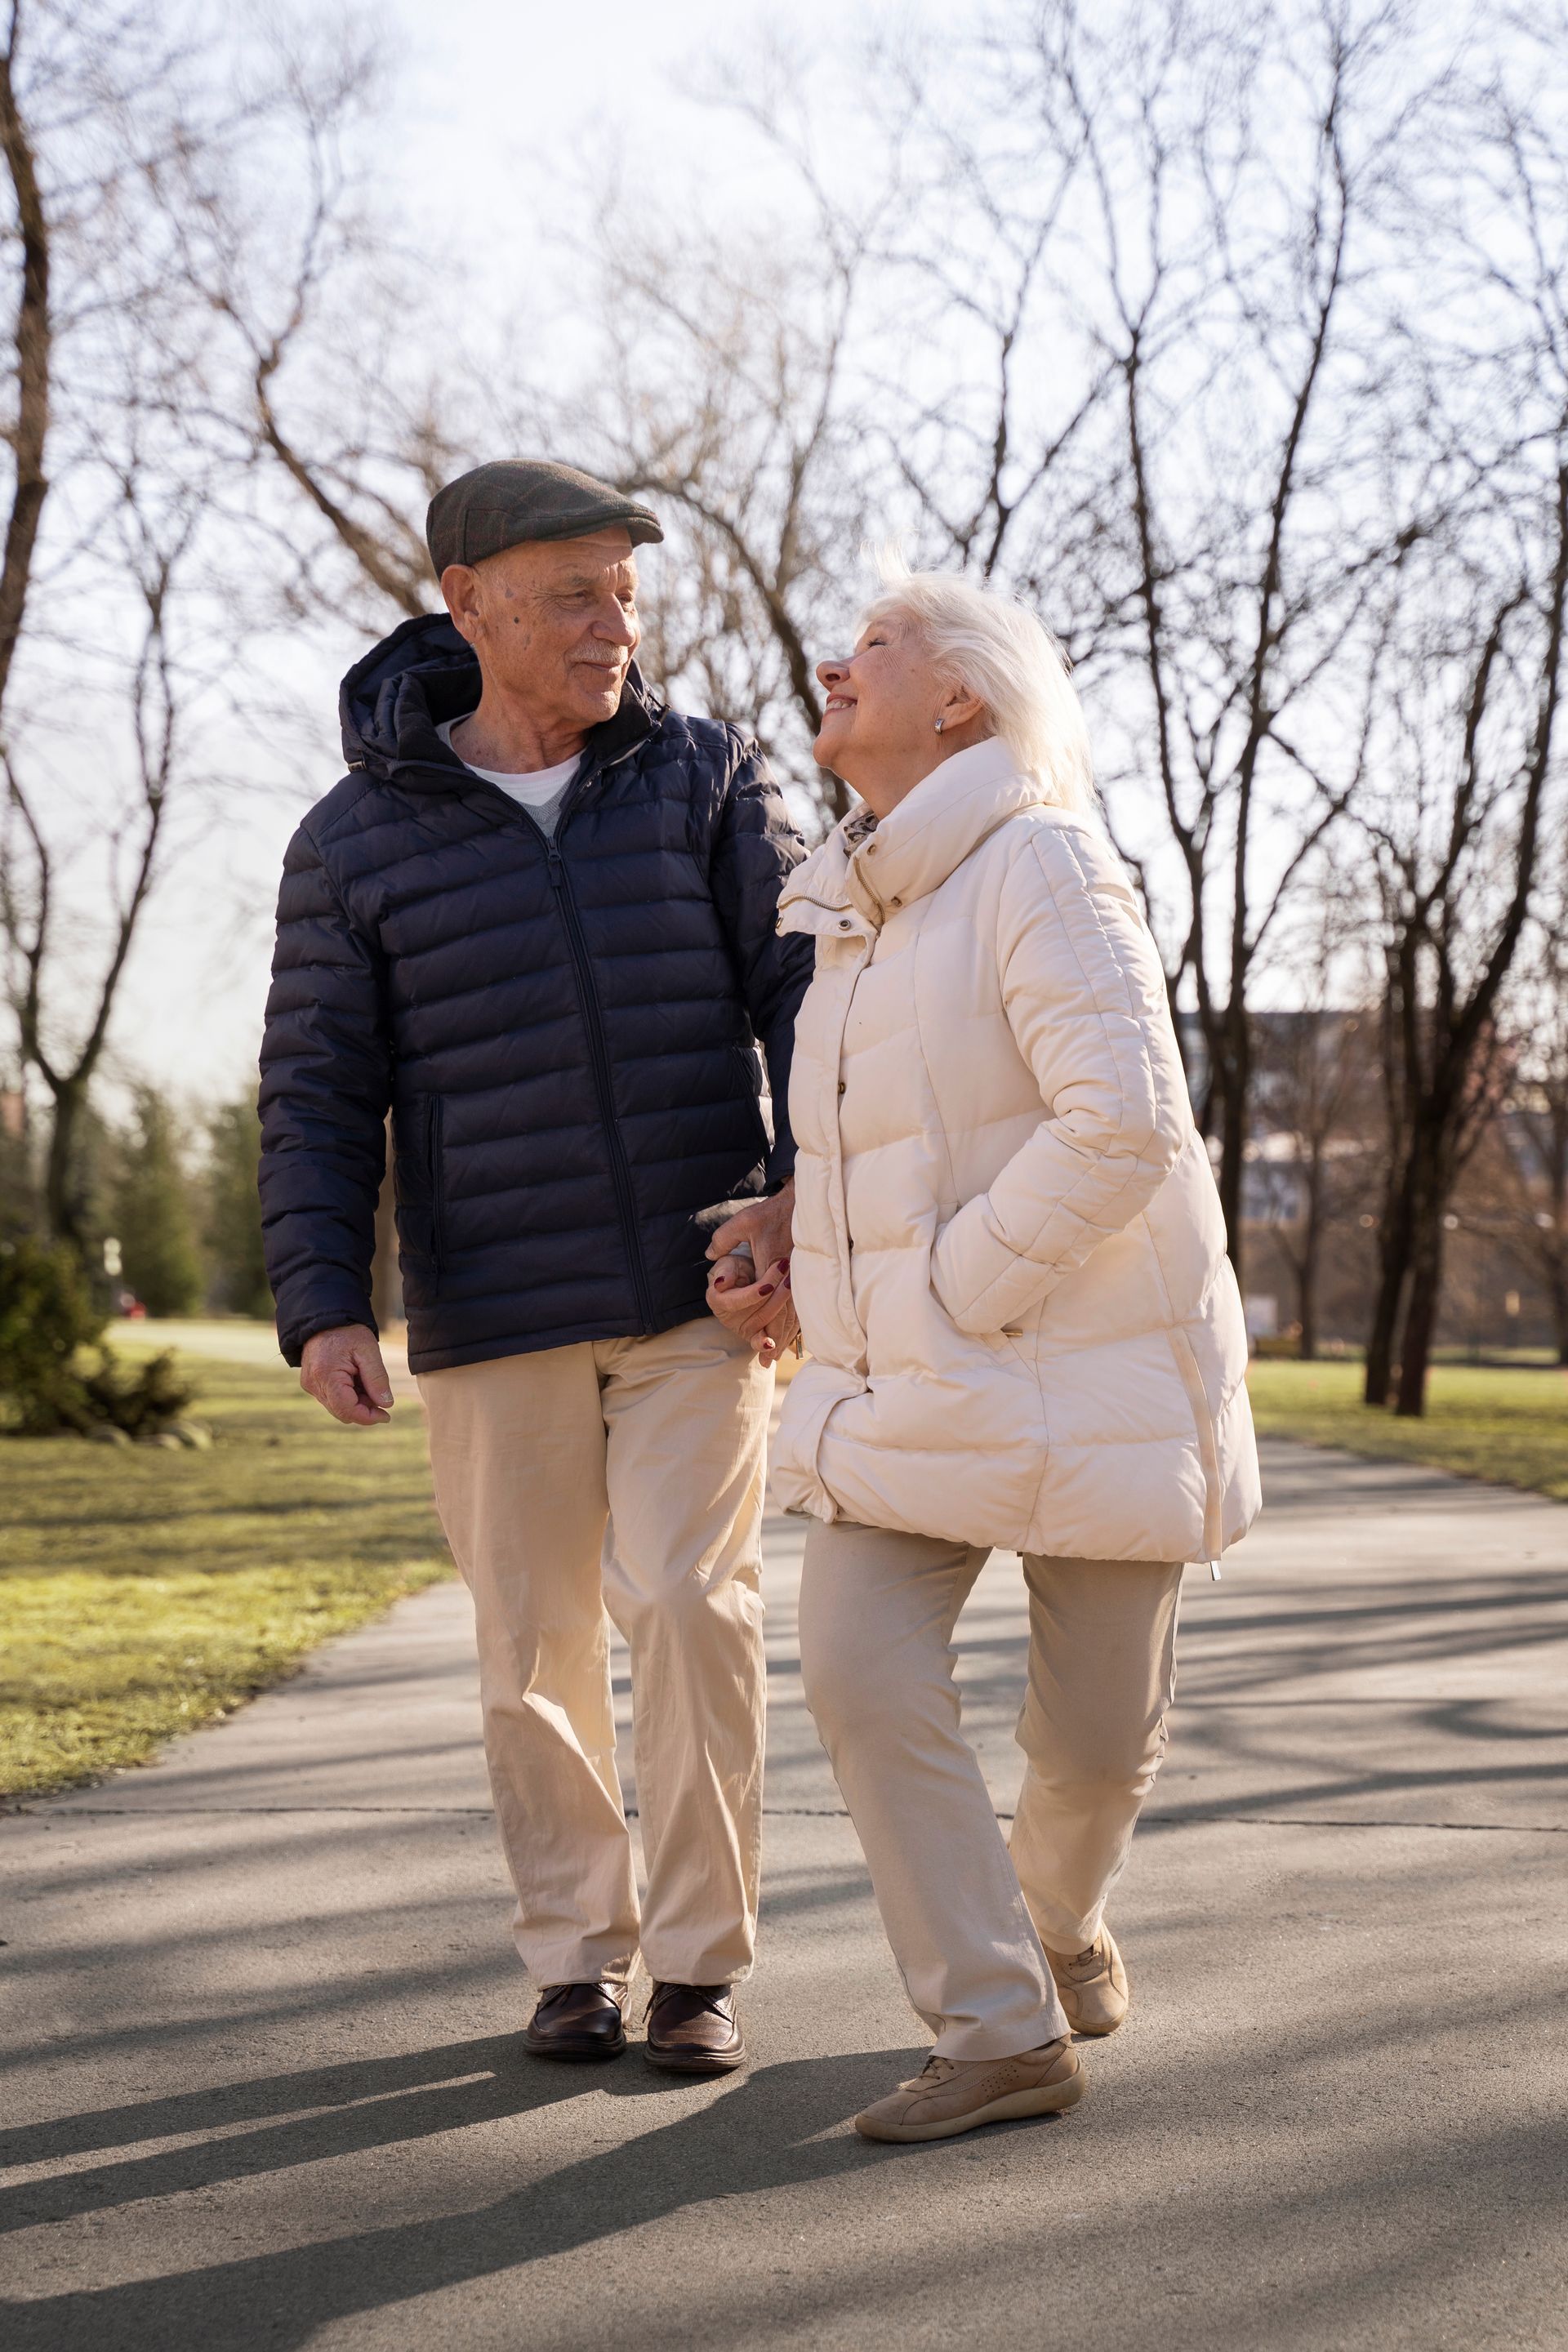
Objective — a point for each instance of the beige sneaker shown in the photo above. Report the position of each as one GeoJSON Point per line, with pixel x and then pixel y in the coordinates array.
{"type": "Point", "coordinates": [953, 2095]}
{"type": "Point", "coordinates": [1092, 1985]}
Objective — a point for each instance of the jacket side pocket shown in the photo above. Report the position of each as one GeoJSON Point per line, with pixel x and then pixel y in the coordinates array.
{"type": "Point", "coordinates": [751, 1088]}
{"type": "Point", "coordinates": [435, 1127]}
{"type": "Point", "coordinates": [1208, 1447]}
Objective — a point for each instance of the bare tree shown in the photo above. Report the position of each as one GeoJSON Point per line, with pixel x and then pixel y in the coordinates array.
{"type": "Point", "coordinates": [1458, 860]}
{"type": "Point", "coordinates": [66, 1048]}
{"type": "Point", "coordinates": [721, 398]}
{"type": "Point", "coordinates": [713, 385]}
{"type": "Point", "coordinates": [1311, 468]}
{"type": "Point", "coordinates": [311, 286]}
{"type": "Point", "coordinates": [1250, 563]}
{"type": "Point", "coordinates": [1130, 323]}
{"type": "Point", "coordinates": [98, 107]}
{"type": "Point", "coordinates": [1318, 1102]}
{"type": "Point", "coordinates": [1469, 759]}
{"type": "Point", "coordinates": [32, 339]}
{"type": "Point", "coordinates": [1321, 1062]}
{"type": "Point", "coordinates": [1531, 1181]}
{"type": "Point", "coordinates": [1136, 287]}
{"type": "Point", "coordinates": [978, 392]}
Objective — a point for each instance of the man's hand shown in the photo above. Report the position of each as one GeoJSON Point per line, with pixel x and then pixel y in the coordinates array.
{"type": "Point", "coordinates": [342, 1370]}
{"type": "Point", "coordinates": [764, 1226]}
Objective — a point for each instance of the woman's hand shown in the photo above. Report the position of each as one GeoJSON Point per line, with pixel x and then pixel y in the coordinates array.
{"type": "Point", "coordinates": [759, 1309]}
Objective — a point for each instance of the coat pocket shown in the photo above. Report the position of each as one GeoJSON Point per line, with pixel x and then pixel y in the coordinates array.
{"type": "Point", "coordinates": [435, 1165]}
{"type": "Point", "coordinates": [751, 1068]}
{"type": "Point", "coordinates": [1208, 1443]}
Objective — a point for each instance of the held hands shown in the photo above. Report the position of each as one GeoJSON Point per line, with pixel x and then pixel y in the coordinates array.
{"type": "Point", "coordinates": [758, 1307]}
{"type": "Point", "coordinates": [759, 1311]}
{"type": "Point", "coordinates": [343, 1371]}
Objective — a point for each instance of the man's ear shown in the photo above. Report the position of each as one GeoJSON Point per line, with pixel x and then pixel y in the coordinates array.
{"type": "Point", "coordinates": [462, 592]}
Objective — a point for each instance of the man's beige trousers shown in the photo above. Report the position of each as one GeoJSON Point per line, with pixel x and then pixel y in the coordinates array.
{"type": "Point", "coordinates": [967, 1917]}
{"type": "Point", "coordinates": [626, 1475]}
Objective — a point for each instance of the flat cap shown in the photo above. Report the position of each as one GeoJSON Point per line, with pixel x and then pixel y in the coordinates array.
{"type": "Point", "coordinates": [512, 499]}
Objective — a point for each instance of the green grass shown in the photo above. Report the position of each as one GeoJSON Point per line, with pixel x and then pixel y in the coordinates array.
{"type": "Point", "coordinates": [1510, 1427]}
{"type": "Point", "coordinates": [143, 1592]}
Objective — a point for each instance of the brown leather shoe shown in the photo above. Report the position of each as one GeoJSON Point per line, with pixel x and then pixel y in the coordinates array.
{"type": "Point", "coordinates": [694, 2030]}
{"type": "Point", "coordinates": [578, 2021]}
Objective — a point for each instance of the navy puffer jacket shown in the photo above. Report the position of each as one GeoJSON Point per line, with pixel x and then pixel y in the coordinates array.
{"type": "Point", "coordinates": [565, 1033]}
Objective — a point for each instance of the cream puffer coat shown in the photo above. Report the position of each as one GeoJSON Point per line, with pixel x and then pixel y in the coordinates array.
{"type": "Point", "coordinates": [1009, 1258]}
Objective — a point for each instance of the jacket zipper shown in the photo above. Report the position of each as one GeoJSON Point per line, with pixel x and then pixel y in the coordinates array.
{"type": "Point", "coordinates": [588, 997]}
{"type": "Point", "coordinates": [599, 1054]}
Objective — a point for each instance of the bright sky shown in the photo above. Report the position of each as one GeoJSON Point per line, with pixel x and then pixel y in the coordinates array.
{"type": "Point", "coordinates": [497, 100]}
{"type": "Point", "coordinates": [506, 87]}
{"type": "Point", "coordinates": [503, 108]}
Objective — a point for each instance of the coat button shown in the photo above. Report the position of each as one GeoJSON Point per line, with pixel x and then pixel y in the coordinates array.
{"type": "Point", "coordinates": [844, 925]}
{"type": "Point", "coordinates": [841, 1085]}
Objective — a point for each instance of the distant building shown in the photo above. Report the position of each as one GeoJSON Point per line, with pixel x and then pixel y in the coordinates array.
{"type": "Point", "coordinates": [17, 1192]}
{"type": "Point", "coordinates": [1318, 1130]}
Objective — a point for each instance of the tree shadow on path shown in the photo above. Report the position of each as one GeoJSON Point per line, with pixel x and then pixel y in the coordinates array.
{"type": "Point", "coordinates": [763, 2132]}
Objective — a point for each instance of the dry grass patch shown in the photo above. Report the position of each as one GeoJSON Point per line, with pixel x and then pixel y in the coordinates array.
{"type": "Point", "coordinates": [1508, 1426]}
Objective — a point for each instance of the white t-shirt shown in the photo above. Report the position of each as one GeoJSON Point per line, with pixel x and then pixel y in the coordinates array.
{"type": "Point", "coordinates": [540, 791]}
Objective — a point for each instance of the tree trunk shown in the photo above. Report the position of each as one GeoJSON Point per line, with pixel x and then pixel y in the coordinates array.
{"type": "Point", "coordinates": [1431, 1182]}
{"type": "Point", "coordinates": [62, 1204]}
{"type": "Point", "coordinates": [1306, 1291]}
{"type": "Point", "coordinates": [1311, 1252]}
{"type": "Point", "coordinates": [1421, 1318]}
{"type": "Point", "coordinates": [1233, 1073]}
{"type": "Point", "coordinates": [1557, 1289]}
{"type": "Point", "coordinates": [28, 429]}
{"type": "Point", "coordinates": [1393, 1251]}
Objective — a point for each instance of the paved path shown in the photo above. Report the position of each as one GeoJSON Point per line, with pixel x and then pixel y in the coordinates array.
{"type": "Point", "coordinates": [233, 1339]}
{"type": "Point", "coordinates": [261, 2087]}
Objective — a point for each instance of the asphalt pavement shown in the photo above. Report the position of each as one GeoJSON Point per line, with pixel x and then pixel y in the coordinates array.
{"type": "Point", "coordinates": [262, 2085]}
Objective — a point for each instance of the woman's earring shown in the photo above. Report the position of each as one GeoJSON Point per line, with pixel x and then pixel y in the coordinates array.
{"type": "Point", "coordinates": [939, 727]}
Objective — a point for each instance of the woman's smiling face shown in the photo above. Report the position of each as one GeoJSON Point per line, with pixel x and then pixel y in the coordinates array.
{"type": "Point", "coordinates": [883, 699]}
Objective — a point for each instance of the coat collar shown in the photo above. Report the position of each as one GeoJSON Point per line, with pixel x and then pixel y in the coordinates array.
{"type": "Point", "coordinates": [867, 867]}
{"type": "Point", "coordinates": [393, 701]}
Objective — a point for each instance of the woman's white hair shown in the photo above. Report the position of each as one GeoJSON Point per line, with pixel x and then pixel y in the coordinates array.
{"type": "Point", "coordinates": [1005, 654]}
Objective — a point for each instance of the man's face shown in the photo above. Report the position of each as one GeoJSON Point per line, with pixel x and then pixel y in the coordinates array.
{"type": "Point", "coordinates": [553, 623]}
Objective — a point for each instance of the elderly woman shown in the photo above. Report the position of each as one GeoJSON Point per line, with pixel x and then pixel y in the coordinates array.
{"type": "Point", "coordinates": [1023, 1332]}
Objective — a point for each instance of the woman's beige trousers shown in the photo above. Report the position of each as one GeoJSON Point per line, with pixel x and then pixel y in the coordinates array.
{"type": "Point", "coordinates": [966, 1914]}
{"type": "Point", "coordinates": [624, 1474]}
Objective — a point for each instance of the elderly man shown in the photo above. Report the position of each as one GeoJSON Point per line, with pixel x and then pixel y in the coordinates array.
{"type": "Point", "coordinates": [536, 920]}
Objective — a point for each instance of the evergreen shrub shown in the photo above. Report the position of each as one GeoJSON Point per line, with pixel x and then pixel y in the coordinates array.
{"type": "Point", "coordinates": [55, 1375]}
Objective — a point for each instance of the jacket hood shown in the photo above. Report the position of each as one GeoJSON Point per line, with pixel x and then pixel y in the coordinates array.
{"type": "Point", "coordinates": [870, 864]}
{"type": "Point", "coordinates": [423, 674]}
